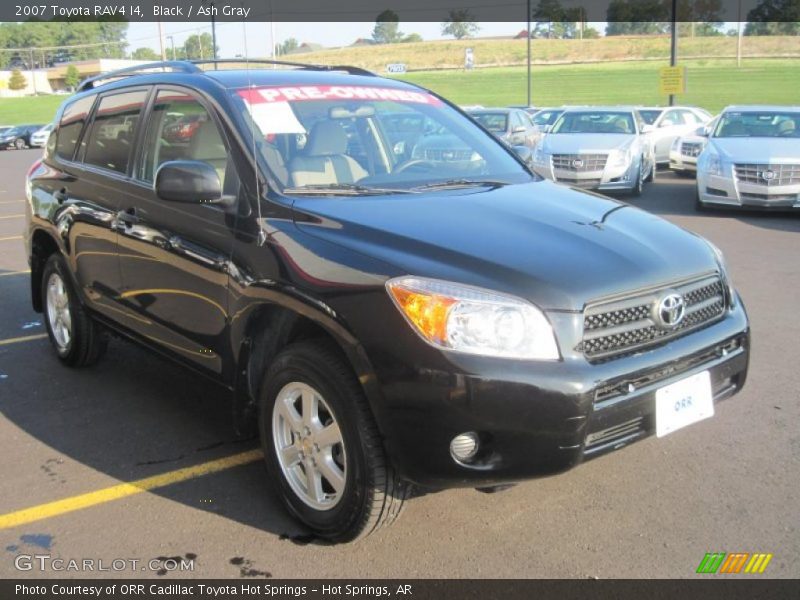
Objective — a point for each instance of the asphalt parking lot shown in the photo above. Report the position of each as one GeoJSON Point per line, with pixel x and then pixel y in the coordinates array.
{"type": "Point", "coordinates": [728, 484]}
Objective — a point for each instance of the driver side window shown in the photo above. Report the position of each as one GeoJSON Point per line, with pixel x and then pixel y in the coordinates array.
{"type": "Point", "coordinates": [180, 128]}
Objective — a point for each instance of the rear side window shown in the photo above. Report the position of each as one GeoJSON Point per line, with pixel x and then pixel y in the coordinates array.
{"type": "Point", "coordinates": [69, 129]}
{"type": "Point", "coordinates": [180, 128]}
{"type": "Point", "coordinates": [109, 141]}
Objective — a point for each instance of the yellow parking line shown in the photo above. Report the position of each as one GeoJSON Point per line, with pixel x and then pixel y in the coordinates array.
{"type": "Point", "coordinates": [10, 273]}
{"type": "Point", "coordinates": [26, 338]}
{"type": "Point", "coordinates": [12, 216]}
{"type": "Point", "coordinates": [115, 492]}
{"type": "Point", "coordinates": [13, 237]}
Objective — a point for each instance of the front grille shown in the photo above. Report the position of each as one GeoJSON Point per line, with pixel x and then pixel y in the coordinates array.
{"type": "Point", "coordinates": [446, 154]}
{"type": "Point", "coordinates": [768, 175]}
{"type": "Point", "coordinates": [627, 323]}
{"type": "Point", "coordinates": [770, 197]}
{"type": "Point", "coordinates": [583, 183]}
{"type": "Point", "coordinates": [580, 163]}
{"type": "Point", "coordinates": [614, 436]}
{"type": "Point", "coordinates": [691, 149]}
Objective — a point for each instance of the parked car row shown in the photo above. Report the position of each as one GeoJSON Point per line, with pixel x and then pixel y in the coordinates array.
{"type": "Point", "coordinates": [19, 136]}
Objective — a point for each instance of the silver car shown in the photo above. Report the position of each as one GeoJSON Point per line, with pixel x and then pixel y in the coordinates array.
{"type": "Point", "coordinates": [39, 139]}
{"type": "Point", "coordinates": [670, 123]}
{"type": "Point", "coordinates": [752, 159]}
{"type": "Point", "coordinates": [597, 148]}
{"type": "Point", "coordinates": [685, 150]}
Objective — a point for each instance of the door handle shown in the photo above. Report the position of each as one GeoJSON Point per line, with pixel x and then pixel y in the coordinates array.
{"type": "Point", "coordinates": [61, 195]}
{"type": "Point", "coordinates": [128, 217]}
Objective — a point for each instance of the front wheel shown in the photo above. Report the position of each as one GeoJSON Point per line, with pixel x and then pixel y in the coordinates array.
{"type": "Point", "coordinates": [19, 144]}
{"type": "Point", "coordinates": [322, 446]}
{"type": "Point", "coordinates": [638, 186]}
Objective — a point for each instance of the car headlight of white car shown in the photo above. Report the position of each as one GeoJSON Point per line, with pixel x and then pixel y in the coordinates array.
{"type": "Point", "coordinates": [540, 157]}
{"type": "Point", "coordinates": [620, 158]}
{"type": "Point", "coordinates": [473, 320]}
{"type": "Point", "coordinates": [676, 143]}
{"type": "Point", "coordinates": [713, 163]}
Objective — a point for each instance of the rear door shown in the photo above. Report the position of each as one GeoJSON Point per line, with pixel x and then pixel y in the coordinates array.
{"type": "Point", "coordinates": [174, 256]}
{"type": "Point", "coordinates": [93, 181]}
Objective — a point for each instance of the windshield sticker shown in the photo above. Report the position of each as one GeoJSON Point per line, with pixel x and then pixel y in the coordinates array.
{"type": "Point", "coordinates": [267, 95]}
{"type": "Point", "coordinates": [275, 117]}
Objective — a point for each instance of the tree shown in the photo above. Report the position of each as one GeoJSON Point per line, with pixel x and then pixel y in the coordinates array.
{"type": "Point", "coordinates": [145, 54]}
{"type": "Point", "coordinates": [637, 17]}
{"type": "Point", "coordinates": [198, 46]}
{"type": "Point", "coordinates": [17, 80]}
{"type": "Point", "coordinates": [386, 29]}
{"type": "Point", "coordinates": [72, 77]}
{"type": "Point", "coordinates": [546, 14]}
{"type": "Point", "coordinates": [288, 46]}
{"type": "Point", "coordinates": [411, 38]}
{"type": "Point", "coordinates": [460, 23]}
{"type": "Point", "coordinates": [774, 17]}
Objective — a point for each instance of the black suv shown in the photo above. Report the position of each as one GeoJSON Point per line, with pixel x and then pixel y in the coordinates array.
{"type": "Point", "coordinates": [386, 314]}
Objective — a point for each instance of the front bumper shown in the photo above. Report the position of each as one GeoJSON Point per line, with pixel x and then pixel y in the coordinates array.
{"type": "Point", "coordinates": [726, 190]}
{"type": "Point", "coordinates": [681, 162]}
{"type": "Point", "coordinates": [537, 419]}
{"type": "Point", "coordinates": [621, 178]}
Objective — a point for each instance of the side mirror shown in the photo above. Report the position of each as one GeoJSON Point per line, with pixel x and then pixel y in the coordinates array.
{"type": "Point", "coordinates": [518, 129]}
{"type": "Point", "coordinates": [648, 129]}
{"type": "Point", "coordinates": [189, 181]}
{"type": "Point", "coordinates": [705, 131]}
{"type": "Point", "coordinates": [524, 153]}
{"type": "Point", "coordinates": [547, 128]}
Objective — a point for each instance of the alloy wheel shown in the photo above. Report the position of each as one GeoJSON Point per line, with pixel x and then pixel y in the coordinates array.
{"type": "Point", "coordinates": [309, 446]}
{"type": "Point", "coordinates": [59, 316]}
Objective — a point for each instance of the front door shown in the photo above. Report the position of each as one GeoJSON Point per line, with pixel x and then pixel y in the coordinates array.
{"type": "Point", "coordinates": [174, 256]}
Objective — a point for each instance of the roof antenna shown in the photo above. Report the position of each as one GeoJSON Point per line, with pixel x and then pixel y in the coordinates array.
{"type": "Point", "coordinates": [262, 236]}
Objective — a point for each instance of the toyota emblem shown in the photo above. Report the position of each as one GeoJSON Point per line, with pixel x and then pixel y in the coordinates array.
{"type": "Point", "coordinates": [670, 310]}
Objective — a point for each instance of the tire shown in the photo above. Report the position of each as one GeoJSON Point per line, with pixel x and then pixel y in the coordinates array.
{"type": "Point", "coordinates": [651, 176]}
{"type": "Point", "coordinates": [370, 494]}
{"type": "Point", "coordinates": [19, 144]}
{"type": "Point", "coordinates": [77, 339]}
{"type": "Point", "coordinates": [638, 188]}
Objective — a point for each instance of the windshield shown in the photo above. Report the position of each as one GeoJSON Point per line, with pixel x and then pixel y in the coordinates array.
{"type": "Point", "coordinates": [497, 122]}
{"type": "Point", "coordinates": [649, 116]}
{"type": "Point", "coordinates": [362, 139]}
{"type": "Point", "coordinates": [758, 124]}
{"type": "Point", "coordinates": [12, 131]}
{"type": "Point", "coordinates": [545, 117]}
{"type": "Point", "coordinates": [595, 122]}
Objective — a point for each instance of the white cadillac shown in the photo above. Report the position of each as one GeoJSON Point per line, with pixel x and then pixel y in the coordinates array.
{"type": "Point", "coordinates": [601, 148]}
{"type": "Point", "coordinates": [685, 150]}
{"type": "Point", "coordinates": [752, 159]}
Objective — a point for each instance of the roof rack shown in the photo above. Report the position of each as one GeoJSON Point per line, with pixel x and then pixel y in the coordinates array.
{"type": "Point", "coordinates": [191, 66]}
{"type": "Point", "coordinates": [181, 66]}
{"type": "Point", "coordinates": [284, 63]}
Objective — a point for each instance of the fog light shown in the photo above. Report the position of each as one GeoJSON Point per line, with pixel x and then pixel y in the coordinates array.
{"type": "Point", "coordinates": [464, 446]}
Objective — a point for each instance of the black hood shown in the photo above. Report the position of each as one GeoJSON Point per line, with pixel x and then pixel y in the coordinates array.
{"type": "Point", "coordinates": [554, 246]}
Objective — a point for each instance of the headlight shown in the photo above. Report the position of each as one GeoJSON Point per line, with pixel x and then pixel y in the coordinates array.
{"type": "Point", "coordinates": [473, 320]}
{"type": "Point", "coordinates": [713, 164]}
{"type": "Point", "coordinates": [723, 271]}
{"type": "Point", "coordinates": [676, 143]}
{"type": "Point", "coordinates": [539, 155]}
{"type": "Point", "coordinates": [619, 158]}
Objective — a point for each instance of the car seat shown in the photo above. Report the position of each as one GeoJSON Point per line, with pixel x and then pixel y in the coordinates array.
{"type": "Point", "coordinates": [324, 160]}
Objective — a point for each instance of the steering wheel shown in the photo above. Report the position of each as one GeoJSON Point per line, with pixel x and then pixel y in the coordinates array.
{"type": "Point", "coordinates": [414, 162]}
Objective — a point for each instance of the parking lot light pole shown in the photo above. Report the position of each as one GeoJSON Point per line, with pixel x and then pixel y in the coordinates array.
{"type": "Point", "coordinates": [673, 47]}
{"type": "Point", "coordinates": [529, 52]}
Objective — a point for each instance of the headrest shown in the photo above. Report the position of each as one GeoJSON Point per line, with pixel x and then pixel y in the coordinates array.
{"type": "Point", "coordinates": [326, 138]}
{"type": "Point", "coordinates": [207, 144]}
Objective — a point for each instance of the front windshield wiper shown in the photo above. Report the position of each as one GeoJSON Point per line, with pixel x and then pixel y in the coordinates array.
{"type": "Point", "coordinates": [461, 183]}
{"type": "Point", "coordinates": [344, 189]}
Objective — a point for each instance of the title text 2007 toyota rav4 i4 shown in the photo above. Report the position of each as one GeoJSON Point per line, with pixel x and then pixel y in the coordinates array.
{"type": "Point", "coordinates": [386, 289]}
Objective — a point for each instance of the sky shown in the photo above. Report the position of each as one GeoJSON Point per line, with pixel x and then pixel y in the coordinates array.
{"type": "Point", "coordinates": [231, 37]}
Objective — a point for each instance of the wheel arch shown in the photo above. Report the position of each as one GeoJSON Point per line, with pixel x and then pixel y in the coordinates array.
{"type": "Point", "coordinates": [269, 329]}
{"type": "Point", "coordinates": [43, 245]}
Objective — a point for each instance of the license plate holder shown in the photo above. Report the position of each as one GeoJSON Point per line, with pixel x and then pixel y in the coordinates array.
{"type": "Point", "coordinates": [683, 403]}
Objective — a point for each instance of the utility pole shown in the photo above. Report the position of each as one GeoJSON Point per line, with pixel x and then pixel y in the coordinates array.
{"type": "Point", "coordinates": [161, 40]}
{"type": "Point", "coordinates": [673, 47]}
{"type": "Point", "coordinates": [171, 39]}
{"type": "Point", "coordinates": [529, 51]}
{"type": "Point", "coordinates": [739, 38]}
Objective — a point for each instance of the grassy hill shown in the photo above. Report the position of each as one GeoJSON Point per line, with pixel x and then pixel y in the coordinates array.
{"type": "Point", "coordinates": [446, 54]}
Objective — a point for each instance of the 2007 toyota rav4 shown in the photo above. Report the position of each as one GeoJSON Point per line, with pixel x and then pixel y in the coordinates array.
{"type": "Point", "coordinates": [386, 289]}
